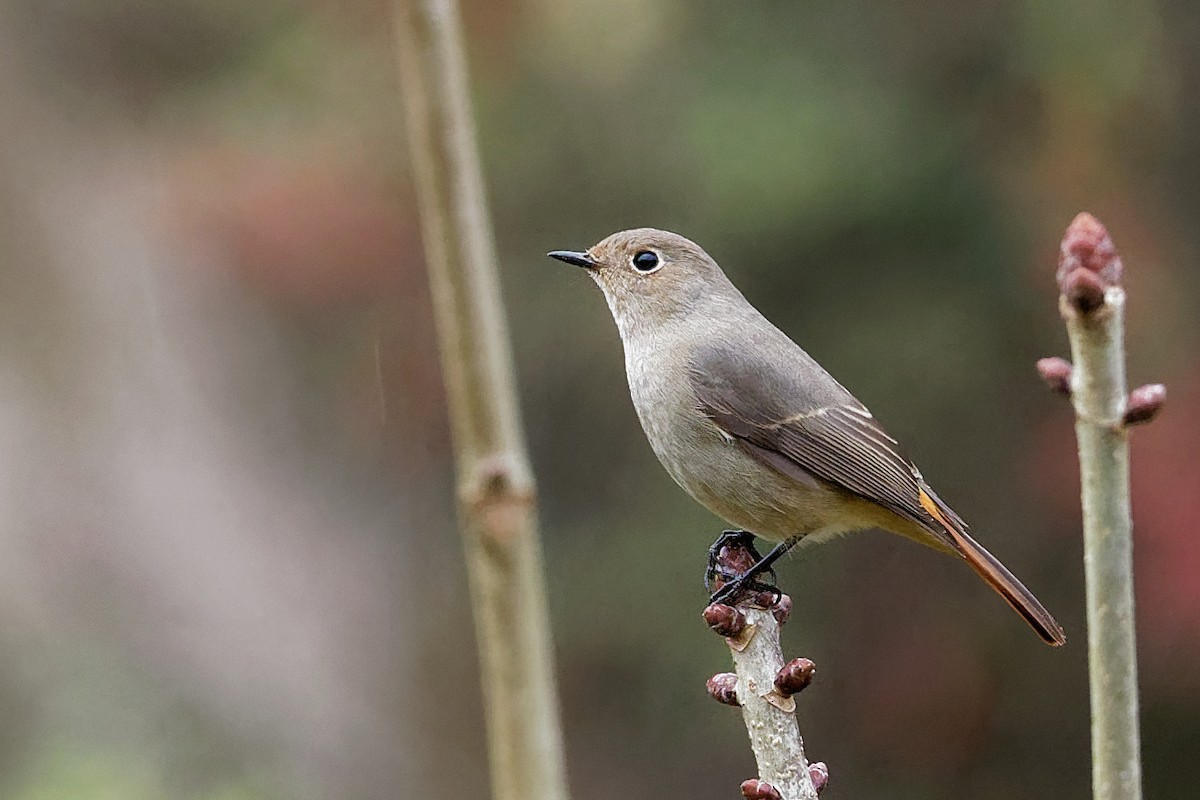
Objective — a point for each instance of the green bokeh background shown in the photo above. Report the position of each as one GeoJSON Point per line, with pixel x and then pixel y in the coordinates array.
{"type": "Point", "coordinates": [887, 182]}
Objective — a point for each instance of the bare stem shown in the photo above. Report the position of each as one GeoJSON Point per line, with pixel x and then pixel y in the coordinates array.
{"type": "Point", "coordinates": [770, 717]}
{"type": "Point", "coordinates": [495, 483]}
{"type": "Point", "coordinates": [1099, 397]}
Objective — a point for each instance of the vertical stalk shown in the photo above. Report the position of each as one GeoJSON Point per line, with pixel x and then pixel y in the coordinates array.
{"type": "Point", "coordinates": [1093, 306]}
{"type": "Point", "coordinates": [495, 483]}
{"type": "Point", "coordinates": [1098, 389]}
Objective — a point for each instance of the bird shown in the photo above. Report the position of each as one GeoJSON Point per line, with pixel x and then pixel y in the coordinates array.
{"type": "Point", "coordinates": [754, 429]}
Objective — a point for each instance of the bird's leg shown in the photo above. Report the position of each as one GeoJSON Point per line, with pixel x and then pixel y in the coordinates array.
{"type": "Point", "coordinates": [748, 579]}
{"type": "Point", "coordinates": [720, 571]}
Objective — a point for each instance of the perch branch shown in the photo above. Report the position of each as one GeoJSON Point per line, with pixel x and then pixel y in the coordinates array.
{"type": "Point", "coordinates": [763, 686]}
{"type": "Point", "coordinates": [1092, 303]}
{"type": "Point", "coordinates": [770, 716]}
{"type": "Point", "coordinates": [495, 483]}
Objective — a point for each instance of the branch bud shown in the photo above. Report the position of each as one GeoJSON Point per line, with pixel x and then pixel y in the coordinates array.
{"type": "Point", "coordinates": [722, 687]}
{"type": "Point", "coordinates": [1088, 263]}
{"type": "Point", "coordinates": [818, 773]}
{"type": "Point", "coordinates": [1144, 403]}
{"type": "Point", "coordinates": [767, 598]}
{"type": "Point", "coordinates": [736, 558]}
{"type": "Point", "coordinates": [1084, 290]}
{"type": "Point", "coordinates": [794, 676]}
{"type": "Point", "coordinates": [782, 609]}
{"type": "Point", "coordinates": [754, 789]}
{"type": "Point", "coordinates": [725, 620]}
{"type": "Point", "coordinates": [1056, 372]}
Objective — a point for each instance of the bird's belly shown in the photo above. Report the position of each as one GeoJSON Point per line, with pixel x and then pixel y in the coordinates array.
{"type": "Point", "coordinates": [748, 494]}
{"type": "Point", "coordinates": [756, 498]}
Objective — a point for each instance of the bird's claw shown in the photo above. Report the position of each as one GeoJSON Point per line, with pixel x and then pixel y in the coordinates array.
{"type": "Point", "coordinates": [731, 575]}
{"type": "Point", "coordinates": [719, 572]}
{"type": "Point", "coordinates": [739, 587]}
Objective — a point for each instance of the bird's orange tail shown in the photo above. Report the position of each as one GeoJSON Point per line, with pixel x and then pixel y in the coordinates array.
{"type": "Point", "coordinates": [997, 575]}
{"type": "Point", "coordinates": [1011, 589]}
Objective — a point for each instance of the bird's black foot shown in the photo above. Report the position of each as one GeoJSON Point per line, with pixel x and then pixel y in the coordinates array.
{"type": "Point", "coordinates": [719, 570]}
{"type": "Point", "coordinates": [732, 592]}
{"type": "Point", "coordinates": [735, 566]}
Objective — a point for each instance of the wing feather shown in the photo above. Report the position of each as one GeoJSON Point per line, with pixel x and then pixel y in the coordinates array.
{"type": "Point", "coordinates": [840, 442]}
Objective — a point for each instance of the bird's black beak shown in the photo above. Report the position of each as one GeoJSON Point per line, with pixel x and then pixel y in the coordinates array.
{"type": "Point", "coordinates": [572, 257]}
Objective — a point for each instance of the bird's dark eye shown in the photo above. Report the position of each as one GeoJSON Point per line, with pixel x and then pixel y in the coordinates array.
{"type": "Point", "coordinates": [646, 261]}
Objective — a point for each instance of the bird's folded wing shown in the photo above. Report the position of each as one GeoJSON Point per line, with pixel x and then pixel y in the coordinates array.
{"type": "Point", "coordinates": [838, 442]}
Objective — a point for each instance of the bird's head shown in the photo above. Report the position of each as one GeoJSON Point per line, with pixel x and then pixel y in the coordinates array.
{"type": "Point", "coordinates": [650, 277]}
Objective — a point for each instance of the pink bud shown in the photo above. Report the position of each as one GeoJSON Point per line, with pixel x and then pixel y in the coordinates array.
{"type": "Point", "coordinates": [1084, 290]}
{"type": "Point", "coordinates": [818, 773]}
{"type": "Point", "coordinates": [754, 789]}
{"type": "Point", "coordinates": [782, 609]}
{"type": "Point", "coordinates": [1056, 372]}
{"type": "Point", "coordinates": [1144, 403]}
{"type": "Point", "coordinates": [1088, 263]}
{"type": "Point", "coordinates": [1087, 245]}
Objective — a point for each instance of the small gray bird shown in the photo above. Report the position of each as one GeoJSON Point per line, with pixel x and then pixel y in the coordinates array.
{"type": "Point", "coordinates": [755, 429]}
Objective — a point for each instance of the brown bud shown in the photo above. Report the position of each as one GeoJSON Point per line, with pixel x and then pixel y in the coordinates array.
{"type": "Point", "coordinates": [1087, 246]}
{"type": "Point", "coordinates": [1144, 403]}
{"type": "Point", "coordinates": [1084, 290]}
{"type": "Point", "coordinates": [754, 789]}
{"type": "Point", "coordinates": [1056, 372]}
{"type": "Point", "coordinates": [766, 598]}
{"type": "Point", "coordinates": [782, 609]}
{"type": "Point", "coordinates": [722, 687]}
{"type": "Point", "coordinates": [794, 676]}
{"type": "Point", "coordinates": [818, 773]}
{"type": "Point", "coordinates": [736, 558]}
{"type": "Point", "coordinates": [725, 620]}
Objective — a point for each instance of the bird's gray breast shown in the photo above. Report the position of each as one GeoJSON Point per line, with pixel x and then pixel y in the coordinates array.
{"type": "Point", "coordinates": [666, 407]}
{"type": "Point", "coordinates": [701, 458]}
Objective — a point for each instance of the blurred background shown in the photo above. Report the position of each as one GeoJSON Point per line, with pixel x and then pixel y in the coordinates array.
{"type": "Point", "coordinates": [230, 567]}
